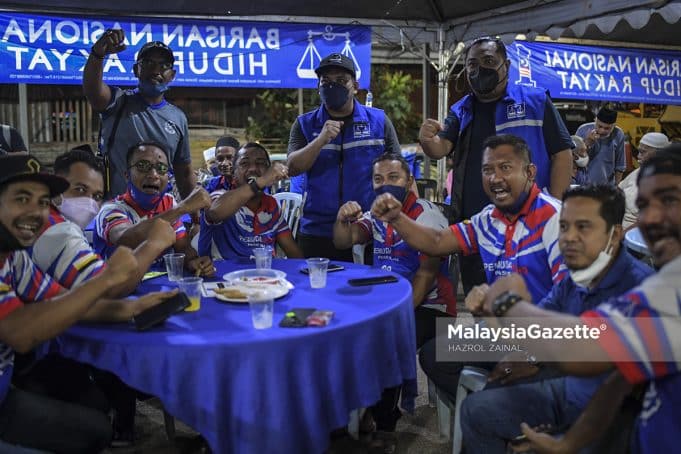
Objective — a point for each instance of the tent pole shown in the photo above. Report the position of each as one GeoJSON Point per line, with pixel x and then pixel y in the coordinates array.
{"type": "Point", "coordinates": [23, 114]}
{"type": "Point", "coordinates": [425, 71]}
{"type": "Point", "coordinates": [300, 101]}
{"type": "Point", "coordinates": [442, 96]}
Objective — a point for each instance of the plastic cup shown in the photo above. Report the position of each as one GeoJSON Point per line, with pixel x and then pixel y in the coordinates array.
{"type": "Point", "coordinates": [263, 257]}
{"type": "Point", "coordinates": [174, 266]}
{"type": "Point", "coordinates": [317, 267]}
{"type": "Point", "coordinates": [191, 286]}
{"type": "Point", "coordinates": [262, 307]}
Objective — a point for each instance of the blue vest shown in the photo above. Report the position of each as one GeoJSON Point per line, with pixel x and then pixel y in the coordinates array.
{"type": "Point", "coordinates": [342, 171]}
{"type": "Point", "coordinates": [521, 113]}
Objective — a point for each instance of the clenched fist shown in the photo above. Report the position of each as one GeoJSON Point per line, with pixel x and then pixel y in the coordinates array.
{"type": "Point", "coordinates": [330, 130]}
{"type": "Point", "coordinates": [121, 266]}
{"type": "Point", "coordinates": [197, 200]}
{"type": "Point", "coordinates": [386, 208]}
{"type": "Point", "coordinates": [350, 212]}
{"type": "Point", "coordinates": [112, 41]}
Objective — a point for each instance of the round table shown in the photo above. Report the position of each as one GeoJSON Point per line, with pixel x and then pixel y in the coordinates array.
{"type": "Point", "coordinates": [279, 390]}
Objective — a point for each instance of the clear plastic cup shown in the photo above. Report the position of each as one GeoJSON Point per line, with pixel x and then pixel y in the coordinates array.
{"type": "Point", "coordinates": [261, 303]}
{"type": "Point", "coordinates": [317, 267]}
{"type": "Point", "coordinates": [174, 266]}
{"type": "Point", "coordinates": [263, 257]}
{"type": "Point", "coordinates": [192, 287]}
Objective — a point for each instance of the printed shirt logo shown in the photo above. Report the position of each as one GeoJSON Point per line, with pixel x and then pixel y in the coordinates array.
{"type": "Point", "coordinates": [361, 130]}
{"type": "Point", "coordinates": [515, 111]}
{"type": "Point", "coordinates": [169, 127]}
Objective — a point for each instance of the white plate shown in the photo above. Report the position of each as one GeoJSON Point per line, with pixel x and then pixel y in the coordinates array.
{"type": "Point", "coordinates": [278, 290]}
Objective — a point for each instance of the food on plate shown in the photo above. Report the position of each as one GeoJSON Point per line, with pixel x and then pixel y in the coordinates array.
{"type": "Point", "coordinates": [231, 292]}
{"type": "Point", "coordinates": [260, 280]}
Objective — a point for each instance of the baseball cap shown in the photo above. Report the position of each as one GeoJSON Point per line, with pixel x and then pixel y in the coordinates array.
{"type": "Point", "coordinates": [336, 60]}
{"type": "Point", "coordinates": [148, 47]}
{"type": "Point", "coordinates": [655, 140]}
{"type": "Point", "coordinates": [23, 167]}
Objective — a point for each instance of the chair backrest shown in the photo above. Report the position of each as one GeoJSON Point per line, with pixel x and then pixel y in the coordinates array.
{"type": "Point", "coordinates": [291, 206]}
{"type": "Point", "coordinates": [427, 189]}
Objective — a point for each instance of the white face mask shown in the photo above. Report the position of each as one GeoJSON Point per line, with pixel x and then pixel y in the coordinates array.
{"type": "Point", "coordinates": [582, 162]}
{"type": "Point", "coordinates": [79, 210]}
{"type": "Point", "coordinates": [585, 276]}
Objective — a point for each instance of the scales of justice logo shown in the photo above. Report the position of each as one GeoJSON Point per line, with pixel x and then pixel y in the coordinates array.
{"type": "Point", "coordinates": [311, 58]}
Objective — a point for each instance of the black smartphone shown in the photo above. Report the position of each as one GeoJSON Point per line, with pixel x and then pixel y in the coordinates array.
{"type": "Point", "coordinates": [159, 313]}
{"type": "Point", "coordinates": [330, 269]}
{"type": "Point", "coordinates": [372, 280]}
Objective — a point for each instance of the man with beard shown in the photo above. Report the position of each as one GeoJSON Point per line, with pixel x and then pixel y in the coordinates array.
{"type": "Point", "coordinates": [496, 107]}
{"type": "Point", "coordinates": [225, 149]}
{"type": "Point", "coordinates": [131, 116]}
{"type": "Point", "coordinates": [333, 146]}
{"type": "Point", "coordinates": [34, 309]}
{"type": "Point", "coordinates": [650, 143]}
{"type": "Point", "coordinates": [599, 268]}
{"type": "Point", "coordinates": [605, 144]}
{"type": "Point", "coordinates": [245, 217]}
{"type": "Point", "coordinates": [517, 232]}
{"type": "Point", "coordinates": [642, 335]}
{"type": "Point", "coordinates": [128, 219]}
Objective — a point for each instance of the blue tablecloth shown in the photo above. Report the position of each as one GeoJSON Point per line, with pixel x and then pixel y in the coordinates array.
{"type": "Point", "coordinates": [280, 390]}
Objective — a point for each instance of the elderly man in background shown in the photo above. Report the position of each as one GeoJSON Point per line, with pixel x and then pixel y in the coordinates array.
{"type": "Point", "coordinates": [649, 145]}
{"type": "Point", "coordinates": [580, 159]}
{"type": "Point", "coordinates": [605, 145]}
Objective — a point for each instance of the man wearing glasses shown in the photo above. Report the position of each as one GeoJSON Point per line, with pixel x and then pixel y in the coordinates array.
{"type": "Point", "coordinates": [128, 219]}
{"type": "Point", "coordinates": [334, 147]}
{"type": "Point", "coordinates": [131, 116]}
{"type": "Point", "coordinates": [496, 107]}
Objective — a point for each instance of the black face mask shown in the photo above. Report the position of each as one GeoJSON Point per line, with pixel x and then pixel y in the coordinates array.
{"type": "Point", "coordinates": [8, 242]}
{"type": "Point", "coordinates": [333, 95]}
{"type": "Point", "coordinates": [485, 80]}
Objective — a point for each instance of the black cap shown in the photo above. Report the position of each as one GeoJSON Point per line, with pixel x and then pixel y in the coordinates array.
{"type": "Point", "coordinates": [156, 45]}
{"type": "Point", "coordinates": [336, 60]}
{"type": "Point", "coordinates": [23, 167]}
{"type": "Point", "coordinates": [607, 116]}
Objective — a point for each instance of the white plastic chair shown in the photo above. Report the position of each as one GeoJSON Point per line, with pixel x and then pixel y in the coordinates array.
{"type": "Point", "coordinates": [471, 379]}
{"type": "Point", "coordinates": [291, 206]}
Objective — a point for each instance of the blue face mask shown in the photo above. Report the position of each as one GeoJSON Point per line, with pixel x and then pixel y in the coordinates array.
{"type": "Point", "coordinates": [214, 170]}
{"type": "Point", "coordinates": [334, 96]}
{"type": "Point", "coordinates": [145, 201]}
{"type": "Point", "coordinates": [399, 192]}
{"type": "Point", "coordinates": [149, 89]}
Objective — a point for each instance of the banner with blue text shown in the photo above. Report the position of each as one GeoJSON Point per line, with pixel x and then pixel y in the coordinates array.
{"type": "Point", "coordinates": [598, 73]}
{"type": "Point", "coordinates": [42, 49]}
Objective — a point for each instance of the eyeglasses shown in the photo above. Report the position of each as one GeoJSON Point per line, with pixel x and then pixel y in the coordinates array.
{"type": "Point", "coordinates": [152, 64]}
{"type": "Point", "coordinates": [145, 166]}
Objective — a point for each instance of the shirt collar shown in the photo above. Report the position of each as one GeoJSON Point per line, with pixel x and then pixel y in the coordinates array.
{"type": "Point", "coordinates": [409, 202]}
{"type": "Point", "coordinates": [524, 210]}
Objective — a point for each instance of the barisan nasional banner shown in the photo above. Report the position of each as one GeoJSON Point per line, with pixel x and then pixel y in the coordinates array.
{"type": "Point", "coordinates": [598, 73]}
{"type": "Point", "coordinates": [46, 49]}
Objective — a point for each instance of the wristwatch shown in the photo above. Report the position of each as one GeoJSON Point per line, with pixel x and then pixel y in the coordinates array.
{"type": "Point", "coordinates": [254, 186]}
{"type": "Point", "coordinates": [504, 302]}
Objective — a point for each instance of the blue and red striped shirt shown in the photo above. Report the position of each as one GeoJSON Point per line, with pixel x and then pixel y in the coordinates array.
{"type": "Point", "coordinates": [643, 339]}
{"type": "Point", "coordinates": [526, 244]}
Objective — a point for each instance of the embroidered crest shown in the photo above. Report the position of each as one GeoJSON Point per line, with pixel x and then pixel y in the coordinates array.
{"type": "Point", "coordinates": [361, 130]}
{"type": "Point", "coordinates": [515, 111]}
